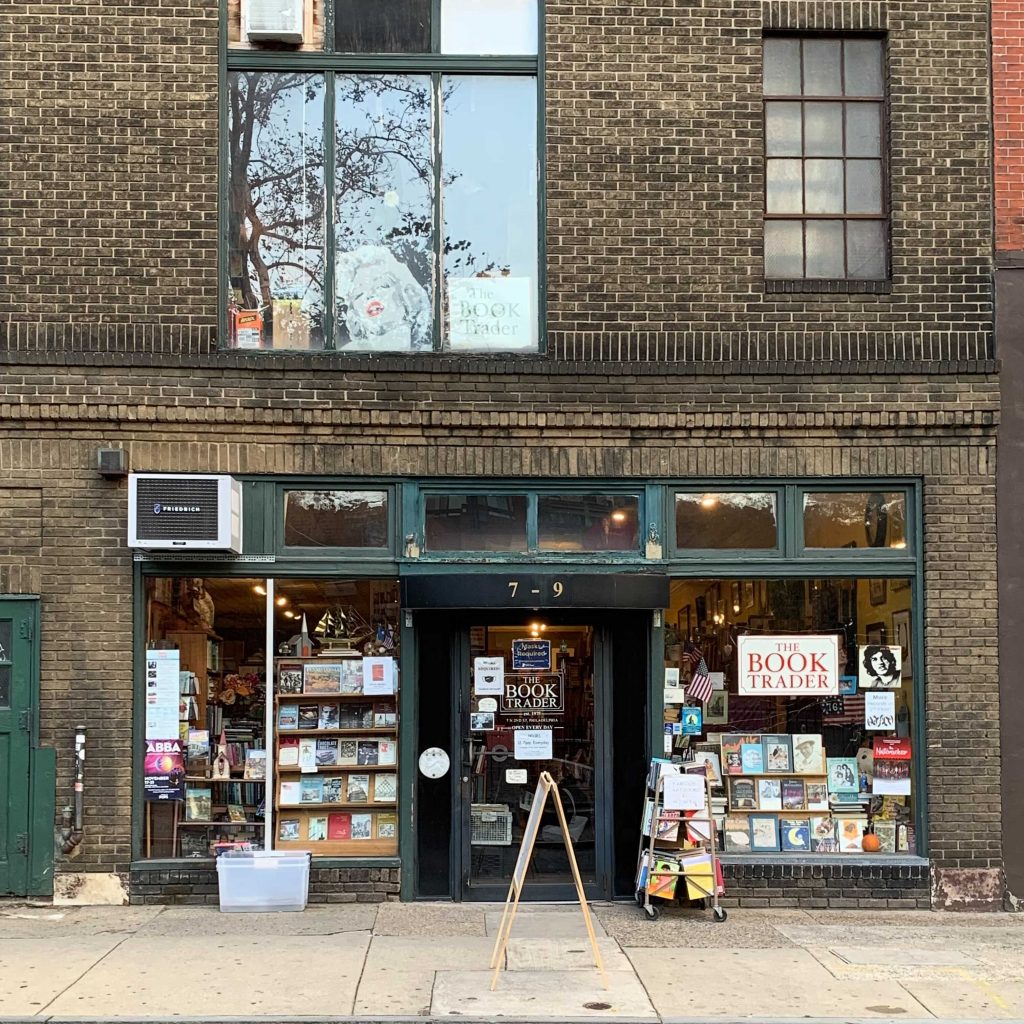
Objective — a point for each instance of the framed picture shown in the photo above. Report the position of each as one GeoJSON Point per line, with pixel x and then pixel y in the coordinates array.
{"type": "Point", "coordinates": [748, 593]}
{"type": "Point", "coordinates": [902, 637]}
{"type": "Point", "coordinates": [764, 833]}
{"type": "Point", "coordinates": [716, 710]}
{"type": "Point", "coordinates": [877, 590]}
{"type": "Point", "coordinates": [875, 633]}
{"type": "Point", "coordinates": [736, 600]}
{"type": "Point", "coordinates": [684, 622]}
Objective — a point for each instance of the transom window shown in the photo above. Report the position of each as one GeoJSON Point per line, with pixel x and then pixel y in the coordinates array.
{"type": "Point", "coordinates": [825, 190]}
{"type": "Point", "coordinates": [382, 189]}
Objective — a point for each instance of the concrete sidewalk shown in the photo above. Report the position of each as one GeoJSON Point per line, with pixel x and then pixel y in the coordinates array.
{"type": "Point", "coordinates": [426, 961]}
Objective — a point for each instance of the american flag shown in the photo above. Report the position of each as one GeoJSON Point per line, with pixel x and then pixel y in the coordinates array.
{"type": "Point", "coordinates": [699, 687]}
{"type": "Point", "coordinates": [386, 636]}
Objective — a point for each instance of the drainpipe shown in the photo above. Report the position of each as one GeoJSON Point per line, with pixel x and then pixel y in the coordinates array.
{"type": "Point", "coordinates": [72, 836]}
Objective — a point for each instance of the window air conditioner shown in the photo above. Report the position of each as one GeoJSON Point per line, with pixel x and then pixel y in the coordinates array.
{"type": "Point", "coordinates": [278, 20]}
{"type": "Point", "coordinates": [184, 513]}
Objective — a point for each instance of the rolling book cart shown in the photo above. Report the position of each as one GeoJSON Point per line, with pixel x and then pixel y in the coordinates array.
{"type": "Point", "coordinates": [692, 815]}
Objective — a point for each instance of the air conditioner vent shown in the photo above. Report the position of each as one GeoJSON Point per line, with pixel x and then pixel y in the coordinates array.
{"type": "Point", "coordinates": [277, 20]}
{"type": "Point", "coordinates": [168, 512]}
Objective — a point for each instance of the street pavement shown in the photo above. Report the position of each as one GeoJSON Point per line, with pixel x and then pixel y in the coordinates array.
{"type": "Point", "coordinates": [429, 961]}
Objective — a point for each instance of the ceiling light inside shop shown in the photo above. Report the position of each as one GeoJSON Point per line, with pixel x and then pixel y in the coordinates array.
{"type": "Point", "coordinates": [260, 589]}
{"type": "Point", "coordinates": [289, 615]}
{"type": "Point", "coordinates": [281, 601]}
{"type": "Point", "coordinates": [709, 500]}
{"type": "Point", "coordinates": [618, 517]}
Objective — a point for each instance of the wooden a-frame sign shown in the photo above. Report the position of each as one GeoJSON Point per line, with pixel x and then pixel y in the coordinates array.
{"type": "Point", "coordinates": [545, 786]}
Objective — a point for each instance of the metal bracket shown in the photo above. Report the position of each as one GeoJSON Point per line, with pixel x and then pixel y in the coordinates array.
{"type": "Point", "coordinates": [21, 842]}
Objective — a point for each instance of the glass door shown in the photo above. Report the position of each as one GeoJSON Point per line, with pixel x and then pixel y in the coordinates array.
{"type": "Point", "coordinates": [531, 703]}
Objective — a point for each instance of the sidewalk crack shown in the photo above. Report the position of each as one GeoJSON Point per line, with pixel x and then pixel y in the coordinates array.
{"type": "Point", "coordinates": [643, 984]}
{"type": "Point", "coordinates": [91, 967]}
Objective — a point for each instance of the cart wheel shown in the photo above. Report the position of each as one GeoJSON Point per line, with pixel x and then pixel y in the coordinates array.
{"type": "Point", "coordinates": [720, 914]}
{"type": "Point", "coordinates": [639, 897]}
{"type": "Point", "coordinates": [652, 912]}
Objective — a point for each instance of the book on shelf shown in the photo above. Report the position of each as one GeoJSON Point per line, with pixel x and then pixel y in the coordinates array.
{"type": "Point", "coordinates": [851, 834]}
{"type": "Point", "coordinates": [752, 758]}
{"type": "Point", "coordinates": [348, 752]}
{"type": "Point", "coordinates": [326, 752]}
{"type": "Point", "coordinates": [288, 752]}
{"type": "Point", "coordinates": [329, 717]}
{"type": "Point", "coordinates": [321, 678]}
{"type": "Point", "coordinates": [795, 835]}
{"type": "Point", "coordinates": [794, 795]}
{"type": "Point", "coordinates": [317, 828]}
{"type": "Point", "coordinates": [764, 833]}
{"type": "Point", "coordinates": [288, 717]}
{"type": "Point", "coordinates": [289, 829]}
{"type": "Point", "coordinates": [886, 830]}
{"type": "Point", "coordinates": [769, 794]}
{"type": "Point", "coordinates": [387, 751]}
{"type": "Point", "coordinates": [307, 753]}
{"type": "Point", "coordinates": [387, 825]}
{"type": "Point", "coordinates": [736, 834]}
{"type": "Point", "coordinates": [742, 795]}
{"type": "Point", "coordinates": [339, 826]}
{"type": "Point", "coordinates": [290, 793]}
{"type": "Point", "coordinates": [667, 827]}
{"type": "Point", "coordinates": [309, 716]}
{"type": "Point", "coordinates": [358, 789]}
{"type": "Point", "coordinates": [385, 787]}
{"type": "Point", "coordinates": [778, 752]}
{"type": "Point", "coordinates": [808, 754]}
{"type": "Point", "coordinates": [817, 796]}
{"type": "Point", "coordinates": [311, 790]}
{"type": "Point", "coordinates": [384, 715]}
{"type": "Point", "coordinates": [368, 752]}
{"type": "Point", "coordinates": [352, 675]}
{"type": "Point", "coordinates": [362, 826]}
{"type": "Point", "coordinates": [355, 716]}
{"type": "Point", "coordinates": [198, 803]}
{"type": "Point", "coordinates": [842, 776]}
{"type": "Point", "coordinates": [891, 772]}
{"type": "Point", "coordinates": [289, 679]}
{"type": "Point", "coordinates": [823, 835]}
{"type": "Point", "coordinates": [732, 750]}
{"type": "Point", "coordinates": [198, 747]}
{"type": "Point", "coordinates": [236, 813]}
{"type": "Point", "coordinates": [255, 764]}
{"type": "Point", "coordinates": [333, 791]}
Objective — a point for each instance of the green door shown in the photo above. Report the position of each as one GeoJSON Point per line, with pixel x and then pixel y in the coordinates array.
{"type": "Point", "coordinates": [17, 696]}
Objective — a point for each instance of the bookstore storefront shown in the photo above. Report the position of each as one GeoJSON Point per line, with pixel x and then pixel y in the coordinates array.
{"type": "Point", "coordinates": [385, 690]}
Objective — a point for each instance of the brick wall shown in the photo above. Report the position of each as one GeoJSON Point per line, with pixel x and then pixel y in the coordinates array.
{"type": "Point", "coordinates": [1008, 122]}
{"type": "Point", "coordinates": [654, 182]}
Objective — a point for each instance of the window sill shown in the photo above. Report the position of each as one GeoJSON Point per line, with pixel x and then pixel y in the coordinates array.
{"type": "Point", "coordinates": [773, 286]}
{"type": "Point", "coordinates": [860, 860]}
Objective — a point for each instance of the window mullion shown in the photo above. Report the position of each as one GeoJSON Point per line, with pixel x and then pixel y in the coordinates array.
{"type": "Point", "coordinates": [329, 210]}
{"type": "Point", "coordinates": [436, 85]}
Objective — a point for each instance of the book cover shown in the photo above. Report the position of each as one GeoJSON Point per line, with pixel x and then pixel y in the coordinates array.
{"type": "Point", "coordinates": [352, 675]}
{"type": "Point", "coordinates": [198, 803]}
{"type": "Point", "coordinates": [817, 796]}
{"type": "Point", "coordinates": [794, 795]}
{"type": "Point", "coordinates": [309, 716]}
{"type": "Point", "coordinates": [808, 755]}
{"type": "Point", "coordinates": [329, 717]}
{"type": "Point", "coordinates": [764, 833]}
{"type": "Point", "coordinates": [333, 790]}
{"type": "Point", "coordinates": [362, 826]}
{"type": "Point", "coordinates": [385, 787]}
{"type": "Point", "coordinates": [851, 834]}
{"type": "Point", "coordinates": [198, 746]}
{"type": "Point", "coordinates": [886, 832]}
{"type": "Point", "coordinates": [732, 756]}
{"type": "Point", "coordinates": [387, 751]}
{"type": "Point", "coordinates": [712, 766]}
{"type": "Point", "coordinates": [339, 826]}
{"type": "Point", "coordinates": [194, 843]}
{"type": "Point", "coordinates": [663, 878]}
{"type": "Point", "coordinates": [368, 752]}
{"type": "Point", "coordinates": [289, 829]}
{"type": "Point", "coordinates": [311, 790]}
{"type": "Point", "coordinates": [752, 758]}
{"type": "Point", "coordinates": [823, 835]}
{"type": "Point", "coordinates": [288, 716]}
{"type": "Point", "coordinates": [356, 716]}
{"type": "Point", "coordinates": [698, 828]}
{"type": "Point", "coordinates": [387, 826]}
{"type": "Point", "coordinates": [891, 766]}
{"type": "Point", "coordinates": [358, 789]}
{"type": "Point", "coordinates": [289, 679]}
{"type": "Point", "coordinates": [698, 875]}
{"type": "Point", "coordinates": [290, 793]}
{"type": "Point", "coordinates": [307, 754]}
{"type": "Point", "coordinates": [326, 752]}
{"type": "Point", "coordinates": [288, 752]}
{"type": "Point", "coordinates": [379, 675]}
{"type": "Point", "coordinates": [317, 829]}
{"type": "Point", "coordinates": [648, 816]}
{"type": "Point", "coordinates": [317, 679]}
{"type": "Point", "coordinates": [692, 721]}
{"type": "Point", "coordinates": [255, 765]}
{"type": "Point", "coordinates": [236, 813]}
{"type": "Point", "coordinates": [778, 752]}
{"type": "Point", "coordinates": [384, 715]}
{"type": "Point", "coordinates": [348, 752]}
{"type": "Point", "coordinates": [737, 834]}
{"type": "Point", "coordinates": [769, 794]}
{"type": "Point", "coordinates": [842, 775]}
{"type": "Point", "coordinates": [795, 834]}
{"type": "Point", "coordinates": [743, 795]}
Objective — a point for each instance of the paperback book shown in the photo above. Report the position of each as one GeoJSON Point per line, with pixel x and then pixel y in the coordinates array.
{"type": "Point", "coordinates": [288, 716]}
{"type": "Point", "coordinates": [793, 795]}
{"type": "Point", "coordinates": [368, 752]}
{"type": "Point", "coordinates": [795, 834]}
{"type": "Point", "coordinates": [348, 751]}
{"type": "Point", "coordinates": [289, 829]}
{"type": "Point", "coordinates": [309, 716]}
{"type": "Point", "coordinates": [333, 791]}
{"type": "Point", "coordinates": [198, 803]}
{"type": "Point", "coordinates": [764, 833]}
{"type": "Point", "coordinates": [329, 717]}
{"type": "Point", "coordinates": [255, 765]}
{"type": "Point", "coordinates": [769, 794]}
{"type": "Point", "coordinates": [289, 679]}
{"type": "Point", "coordinates": [290, 793]}
{"type": "Point", "coordinates": [387, 751]}
{"type": "Point", "coordinates": [362, 826]}
{"type": "Point", "coordinates": [321, 679]}
{"type": "Point", "coordinates": [317, 829]}
{"type": "Point", "coordinates": [288, 752]}
{"type": "Point", "coordinates": [385, 788]}
{"type": "Point", "coordinates": [307, 753]}
{"type": "Point", "coordinates": [311, 790]}
{"type": "Point", "coordinates": [387, 826]}
{"type": "Point", "coordinates": [326, 752]}
{"type": "Point", "coordinates": [752, 758]}
{"type": "Point", "coordinates": [737, 834]}
{"type": "Point", "coordinates": [339, 826]}
{"type": "Point", "coordinates": [358, 789]}
{"type": "Point", "coordinates": [742, 795]}
{"type": "Point", "coordinates": [778, 753]}
{"type": "Point", "coordinates": [808, 754]}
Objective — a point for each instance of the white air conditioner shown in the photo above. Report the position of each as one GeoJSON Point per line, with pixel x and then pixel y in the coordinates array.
{"type": "Point", "coordinates": [168, 512]}
{"type": "Point", "coordinates": [277, 20]}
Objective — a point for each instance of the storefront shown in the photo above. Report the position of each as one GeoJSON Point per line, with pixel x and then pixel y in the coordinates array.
{"type": "Point", "coordinates": [459, 639]}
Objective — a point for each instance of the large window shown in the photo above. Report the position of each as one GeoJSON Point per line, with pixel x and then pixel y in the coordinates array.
{"type": "Point", "coordinates": [825, 195]}
{"type": "Point", "coordinates": [390, 204]}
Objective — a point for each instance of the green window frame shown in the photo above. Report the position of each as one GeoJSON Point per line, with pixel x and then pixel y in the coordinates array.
{"type": "Point", "coordinates": [384, 551]}
{"type": "Point", "coordinates": [435, 66]}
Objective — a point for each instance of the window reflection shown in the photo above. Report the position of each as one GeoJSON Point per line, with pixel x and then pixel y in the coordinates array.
{"type": "Point", "coordinates": [489, 154]}
{"type": "Point", "coordinates": [855, 519]}
{"type": "Point", "coordinates": [276, 209]}
{"type": "Point", "coordinates": [383, 26]}
{"type": "Point", "coordinates": [384, 212]}
{"type": "Point", "coordinates": [336, 519]}
{"type": "Point", "coordinates": [476, 522]}
{"type": "Point", "coordinates": [489, 26]}
{"type": "Point", "coordinates": [726, 520]}
{"type": "Point", "coordinates": [587, 522]}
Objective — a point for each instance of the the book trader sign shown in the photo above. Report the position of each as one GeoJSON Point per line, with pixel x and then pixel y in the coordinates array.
{"type": "Point", "coordinates": [528, 693]}
{"type": "Point", "coordinates": [788, 666]}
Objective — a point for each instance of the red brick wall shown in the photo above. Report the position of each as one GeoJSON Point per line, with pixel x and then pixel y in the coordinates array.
{"type": "Point", "coordinates": [1008, 98]}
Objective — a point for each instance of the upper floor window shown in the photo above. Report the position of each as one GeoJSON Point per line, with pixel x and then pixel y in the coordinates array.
{"type": "Point", "coordinates": [382, 187]}
{"type": "Point", "coordinates": [825, 189]}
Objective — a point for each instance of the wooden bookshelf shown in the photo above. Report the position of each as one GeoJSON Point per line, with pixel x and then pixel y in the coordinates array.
{"type": "Point", "coordinates": [378, 730]}
{"type": "Point", "coordinates": [380, 805]}
{"type": "Point", "coordinates": [336, 769]}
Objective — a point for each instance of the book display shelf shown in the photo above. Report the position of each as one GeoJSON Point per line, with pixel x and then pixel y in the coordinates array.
{"type": "Point", "coordinates": [336, 755]}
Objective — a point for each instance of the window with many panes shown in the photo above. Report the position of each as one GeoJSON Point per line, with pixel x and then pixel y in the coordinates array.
{"type": "Point", "coordinates": [825, 182]}
{"type": "Point", "coordinates": [382, 178]}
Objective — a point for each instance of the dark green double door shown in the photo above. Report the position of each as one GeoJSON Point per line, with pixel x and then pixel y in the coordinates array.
{"type": "Point", "coordinates": [18, 689]}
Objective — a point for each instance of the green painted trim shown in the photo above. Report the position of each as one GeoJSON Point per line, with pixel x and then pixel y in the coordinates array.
{"type": "Point", "coordinates": [139, 703]}
{"type": "Point", "coordinates": [408, 732]}
{"type": "Point", "coordinates": [42, 815]}
{"type": "Point", "coordinates": [330, 140]}
{"type": "Point", "coordinates": [223, 259]}
{"type": "Point", "coordinates": [542, 174]}
{"type": "Point", "coordinates": [437, 191]}
{"type": "Point", "coordinates": [656, 690]}
{"type": "Point", "coordinates": [919, 731]}
{"type": "Point", "coordinates": [312, 61]}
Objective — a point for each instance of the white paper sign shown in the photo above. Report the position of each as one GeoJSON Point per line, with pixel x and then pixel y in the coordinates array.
{"type": "Point", "coordinates": [788, 666]}
{"type": "Point", "coordinates": [674, 693]}
{"type": "Point", "coordinates": [515, 776]}
{"type": "Point", "coordinates": [488, 677]}
{"type": "Point", "coordinates": [533, 745]}
{"type": "Point", "coordinates": [162, 668]}
{"type": "Point", "coordinates": [879, 709]}
{"type": "Point", "coordinates": [684, 792]}
{"type": "Point", "coordinates": [489, 312]}
{"type": "Point", "coordinates": [378, 676]}
{"type": "Point", "coordinates": [487, 704]}
{"type": "Point", "coordinates": [717, 680]}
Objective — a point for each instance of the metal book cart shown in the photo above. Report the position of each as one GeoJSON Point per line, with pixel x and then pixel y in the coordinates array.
{"type": "Point", "coordinates": [706, 843]}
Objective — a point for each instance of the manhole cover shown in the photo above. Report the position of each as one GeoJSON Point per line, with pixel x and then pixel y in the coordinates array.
{"type": "Point", "coordinates": [597, 1006]}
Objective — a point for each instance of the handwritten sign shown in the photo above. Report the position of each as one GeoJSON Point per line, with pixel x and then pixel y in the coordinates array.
{"type": "Point", "coordinates": [879, 710]}
{"type": "Point", "coordinates": [788, 665]}
{"type": "Point", "coordinates": [684, 792]}
{"type": "Point", "coordinates": [533, 745]}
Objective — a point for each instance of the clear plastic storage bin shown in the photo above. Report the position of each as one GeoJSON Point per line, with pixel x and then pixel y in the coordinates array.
{"type": "Point", "coordinates": [261, 881]}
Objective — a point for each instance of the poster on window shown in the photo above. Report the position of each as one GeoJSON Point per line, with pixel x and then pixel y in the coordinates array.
{"type": "Point", "coordinates": [162, 695]}
{"type": "Point", "coordinates": [163, 771]}
{"type": "Point", "coordinates": [491, 312]}
{"type": "Point", "coordinates": [788, 665]}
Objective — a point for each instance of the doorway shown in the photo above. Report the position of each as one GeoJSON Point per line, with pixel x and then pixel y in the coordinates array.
{"type": "Point", "coordinates": [579, 711]}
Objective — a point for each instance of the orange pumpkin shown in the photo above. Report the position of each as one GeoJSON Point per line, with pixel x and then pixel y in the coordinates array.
{"type": "Point", "coordinates": [871, 843]}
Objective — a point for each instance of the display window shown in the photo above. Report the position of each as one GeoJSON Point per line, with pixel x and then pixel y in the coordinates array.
{"type": "Point", "coordinates": [271, 716]}
{"type": "Point", "coordinates": [802, 698]}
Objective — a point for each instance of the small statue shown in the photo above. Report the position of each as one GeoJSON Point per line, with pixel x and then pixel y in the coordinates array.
{"type": "Point", "coordinates": [221, 764]}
